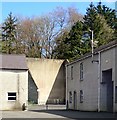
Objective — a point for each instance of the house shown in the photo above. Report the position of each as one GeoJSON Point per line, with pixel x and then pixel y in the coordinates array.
{"type": "Point", "coordinates": [91, 82]}
{"type": "Point", "coordinates": [13, 82]}
{"type": "Point", "coordinates": [46, 83]}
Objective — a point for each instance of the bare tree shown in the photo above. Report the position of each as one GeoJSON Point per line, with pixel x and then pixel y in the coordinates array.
{"type": "Point", "coordinates": [37, 36]}
{"type": "Point", "coordinates": [73, 16]}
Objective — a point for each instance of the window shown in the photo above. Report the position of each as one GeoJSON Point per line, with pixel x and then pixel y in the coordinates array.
{"type": "Point", "coordinates": [71, 72]}
{"type": "Point", "coordinates": [115, 94]}
{"type": "Point", "coordinates": [70, 97]}
{"type": "Point", "coordinates": [81, 96]}
{"type": "Point", "coordinates": [81, 71]}
{"type": "Point", "coordinates": [11, 96]}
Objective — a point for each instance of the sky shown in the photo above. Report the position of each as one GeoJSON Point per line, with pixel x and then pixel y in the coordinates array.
{"type": "Point", "coordinates": [32, 9]}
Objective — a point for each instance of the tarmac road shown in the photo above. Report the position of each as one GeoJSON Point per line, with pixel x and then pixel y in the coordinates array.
{"type": "Point", "coordinates": [56, 114]}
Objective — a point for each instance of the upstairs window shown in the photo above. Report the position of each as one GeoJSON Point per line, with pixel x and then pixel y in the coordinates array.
{"type": "Point", "coordinates": [11, 96]}
{"type": "Point", "coordinates": [81, 71]}
{"type": "Point", "coordinates": [71, 72]}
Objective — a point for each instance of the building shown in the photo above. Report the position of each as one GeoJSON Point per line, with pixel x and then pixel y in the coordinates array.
{"type": "Point", "coordinates": [13, 82]}
{"type": "Point", "coordinates": [46, 81]}
{"type": "Point", "coordinates": [91, 82]}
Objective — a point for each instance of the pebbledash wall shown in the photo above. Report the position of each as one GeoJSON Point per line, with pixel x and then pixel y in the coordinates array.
{"type": "Point", "coordinates": [46, 83]}
{"type": "Point", "coordinates": [92, 86]}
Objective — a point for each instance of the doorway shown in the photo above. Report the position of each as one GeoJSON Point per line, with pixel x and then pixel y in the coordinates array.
{"type": "Point", "coordinates": [75, 100]}
{"type": "Point", "coordinates": [107, 80]}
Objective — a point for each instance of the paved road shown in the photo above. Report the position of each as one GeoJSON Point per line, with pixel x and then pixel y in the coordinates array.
{"type": "Point", "coordinates": [56, 114]}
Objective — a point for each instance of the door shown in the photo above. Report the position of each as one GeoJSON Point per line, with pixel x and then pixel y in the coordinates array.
{"type": "Point", "coordinates": [107, 79]}
{"type": "Point", "coordinates": [75, 100]}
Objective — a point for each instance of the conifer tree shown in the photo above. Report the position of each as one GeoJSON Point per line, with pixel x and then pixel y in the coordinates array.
{"type": "Point", "coordinates": [9, 33]}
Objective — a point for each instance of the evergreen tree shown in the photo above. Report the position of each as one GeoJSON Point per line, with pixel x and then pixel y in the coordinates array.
{"type": "Point", "coordinates": [103, 33]}
{"type": "Point", "coordinates": [74, 41]}
{"type": "Point", "coordinates": [99, 20]}
{"type": "Point", "coordinates": [108, 13]}
{"type": "Point", "coordinates": [9, 33]}
{"type": "Point", "coordinates": [90, 17]}
{"type": "Point", "coordinates": [96, 19]}
{"type": "Point", "coordinates": [61, 49]}
{"type": "Point", "coordinates": [69, 46]}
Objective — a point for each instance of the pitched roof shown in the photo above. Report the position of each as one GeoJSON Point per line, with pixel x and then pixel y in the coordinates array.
{"type": "Point", "coordinates": [100, 49]}
{"type": "Point", "coordinates": [12, 61]}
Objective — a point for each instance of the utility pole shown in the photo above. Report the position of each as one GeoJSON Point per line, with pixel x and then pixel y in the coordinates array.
{"type": "Point", "coordinates": [92, 43]}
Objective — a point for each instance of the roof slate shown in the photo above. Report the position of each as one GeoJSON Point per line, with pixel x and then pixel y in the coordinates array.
{"type": "Point", "coordinates": [12, 61]}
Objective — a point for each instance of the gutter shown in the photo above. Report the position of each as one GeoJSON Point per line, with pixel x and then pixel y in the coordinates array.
{"type": "Point", "coordinates": [96, 51]}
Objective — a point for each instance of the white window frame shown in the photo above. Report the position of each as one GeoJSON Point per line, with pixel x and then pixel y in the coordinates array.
{"type": "Point", "coordinates": [12, 96]}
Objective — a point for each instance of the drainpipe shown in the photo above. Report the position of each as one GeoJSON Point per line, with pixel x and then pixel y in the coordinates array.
{"type": "Point", "coordinates": [18, 87]}
{"type": "Point", "coordinates": [99, 77]}
{"type": "Point", "coordinates": [114, 82]}
{"type": "Point", "coordinates": [66, 89]}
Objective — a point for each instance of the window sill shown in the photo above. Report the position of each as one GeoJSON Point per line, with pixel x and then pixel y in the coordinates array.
{"type": "Point", "coordinates": [11, 100]}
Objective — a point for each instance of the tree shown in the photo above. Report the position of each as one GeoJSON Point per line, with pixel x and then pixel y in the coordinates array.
{"type": "Point", "coordinates": [73, 16]}
{"type": "Point", "coordinates": [78, 40]}
{"type": "Point", "coordinates": [9, 33]}
{"type": "Point", "coordinates": [70, 45]}
{"type": "Point", "coordinates": [96, 19]}
{"type": "Point", "coordinates": [103, 33]}
{"type": "Point", "coordinates": [108, 13]}
{"type": "Point", "coordinates": [37, 36]}
{"type": "Point", "coordinates": [90, 17]}
{"type": "Point", "coordinates": [61, 49]}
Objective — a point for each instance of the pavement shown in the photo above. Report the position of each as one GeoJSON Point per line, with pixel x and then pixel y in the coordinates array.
{"type": "Point", "coordinates": [41, 112]}
{"type": "Point", "coordinates": [56, 114]}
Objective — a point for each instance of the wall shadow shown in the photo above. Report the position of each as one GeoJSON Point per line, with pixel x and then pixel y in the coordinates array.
{"type": "Point", "coordinates": [58, 92]}
{"type": "Point", "coordinates": [83, 115]}
{"type": "Point", "coordinates": [32, 90]}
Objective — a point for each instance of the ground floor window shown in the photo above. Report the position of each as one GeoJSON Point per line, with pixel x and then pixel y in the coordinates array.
{"type": "Point", "coordinates": [81, 96]}
{"type": "Point", "coordinates": [11, 96]}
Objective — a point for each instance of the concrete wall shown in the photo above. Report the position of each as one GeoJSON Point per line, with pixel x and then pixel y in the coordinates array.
{"type": "Point", "coordinates": [13, 81]}
{"type": "Point", "coordinates": [49, 77]}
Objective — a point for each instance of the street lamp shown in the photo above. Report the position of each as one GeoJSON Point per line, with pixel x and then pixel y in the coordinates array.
{"type": "Point", "coordinates": [93, 43]}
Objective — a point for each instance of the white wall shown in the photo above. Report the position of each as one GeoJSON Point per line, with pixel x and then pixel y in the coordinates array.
{"type": "Point", "coordinates": [89, 85]}
{"type": "Point", "coordinates": [13, 81]}
{"type": "Point", "coordinates": [92, 79]}
{"type": "Point", "coordinates": [107, 62]}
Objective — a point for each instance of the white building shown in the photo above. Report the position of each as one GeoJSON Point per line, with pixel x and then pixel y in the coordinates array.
{"type": "Point", "coordinates": [13, 82]}
{"type": "Point", "coordinates": [92, 86]}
